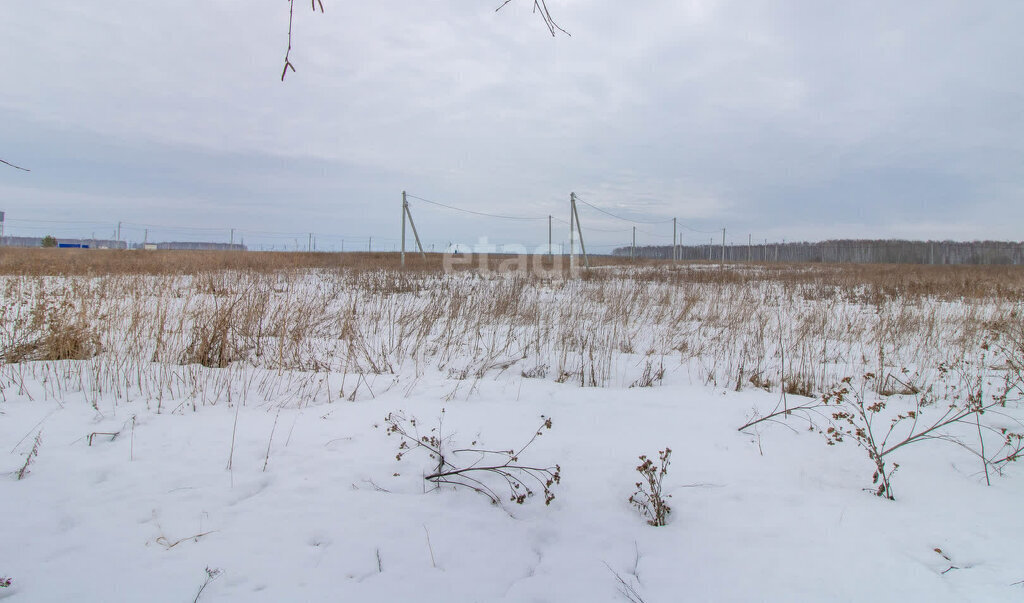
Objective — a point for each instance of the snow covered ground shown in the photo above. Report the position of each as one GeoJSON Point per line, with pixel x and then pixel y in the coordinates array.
{"type": "Point", "coordinates": [333, 516]}
{"type": "Point", "coordinates": [294, 495]}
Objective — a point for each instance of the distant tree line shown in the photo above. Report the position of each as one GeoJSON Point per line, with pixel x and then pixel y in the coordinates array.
{"type": "Point", "coordinates": [846, 251]}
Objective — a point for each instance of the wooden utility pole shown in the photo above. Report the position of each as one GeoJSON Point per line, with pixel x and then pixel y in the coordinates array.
{"type": "Point", "coordinates": [749, 257]}
{"type": "Point", "coordinates": [632, 250]}
{"type": "Point", "coordinates": [723, 245]}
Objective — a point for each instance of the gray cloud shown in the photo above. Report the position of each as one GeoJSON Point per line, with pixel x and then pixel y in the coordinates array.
{"type": "Point", "coordinates": [780, 119]}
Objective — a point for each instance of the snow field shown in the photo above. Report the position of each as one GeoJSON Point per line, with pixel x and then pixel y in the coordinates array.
{"type": "Point", "coordinates": [768, 514]}
{"type": "Point", "coordinates": [97, 522]}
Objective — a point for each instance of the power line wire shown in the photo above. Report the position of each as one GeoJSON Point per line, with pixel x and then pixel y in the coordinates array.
{"type": "Point", "coordinates": [608, 213]}
{"type": "Point", "coordinates": [60, 221]}
{"type": "Point", "coordinates": [654, 234]}
{"type": "Point", "coordinates": [589, 228]}
{"type": "Point", "coordinates": [691, 229]}
{"type": "Point", "coordinates": [164, 227]}
{"type": "Point", "coordinates": [617, 217]}
{"type": "Point", "coordinates": [470, 211]}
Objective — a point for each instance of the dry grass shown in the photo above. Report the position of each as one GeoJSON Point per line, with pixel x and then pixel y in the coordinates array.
{"type": "Point", "coordinates": [51, 325]}
{"type": "Point", "coordinates": [212, 326]}
{"type": "Point", "coordinates": [81, 262]}
{"type": "Point", "coordinates": [863, 282]}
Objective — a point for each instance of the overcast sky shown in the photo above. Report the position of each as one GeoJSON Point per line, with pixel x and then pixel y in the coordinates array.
{"type": "Point", "coordinates": [796, 120]}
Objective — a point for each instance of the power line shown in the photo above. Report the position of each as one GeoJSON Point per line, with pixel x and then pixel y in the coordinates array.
{"type": "Point", "coordinates": [470, 211]}
{"type": "Point", "coordinates": [266, 233]}
{"type": "Point", "coordinates": [190, 232]}
{"type": "Point", "coordinates": [178, 228]}
{"type": "Point", "coordinates": [691, 229]}
{"type": "Point", "coordinates": [608, 213]}
{"type": "Point", "coordinates": [60, 221]}
{"type": "Point", "coordinates": [612, 230]}
{"type": "Point", "coordinates": [617, 217]}
{"type": "Point", "coordinates": [654, 234]}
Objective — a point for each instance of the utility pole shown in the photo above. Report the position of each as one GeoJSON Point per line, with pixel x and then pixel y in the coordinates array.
{"type": "Point", "coordinates": [232, 240]}
{"type": "Point", "coordinates": [416, 235]}
{"type": "Point", "coordinates": [674, 248]}
{"type": "Point", "coordinates": [369, 246]}
{"type": "Point", "coordinates": [118, 235]}
{"type": "Point", "coordinates": [403, 229]}
{"type": "Point", "coordinates": [748, 247]}
{"type": "Point", "coordinates": [632, 250]}
{"type": "Point", "coordinates": [579, 230]}
{"type": "Point", "coordinates": [572, 232]}
{"type": "Point", "coordinates": [145, 238]}
{"type": "Point", "coordinates": [549, 236]}
{"type": "Point", "coordinates": [723, 245]}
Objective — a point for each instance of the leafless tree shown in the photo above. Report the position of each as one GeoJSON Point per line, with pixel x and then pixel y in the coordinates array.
{"type": "Point", "coordinates": [540, 8]}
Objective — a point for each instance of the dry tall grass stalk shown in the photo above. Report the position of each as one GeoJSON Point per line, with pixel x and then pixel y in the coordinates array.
{"type": "Point", "coordinates": [214, 327]}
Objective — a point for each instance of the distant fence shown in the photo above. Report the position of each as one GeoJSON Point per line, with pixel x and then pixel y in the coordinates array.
{"type": "Point", "coordinates": [848, 251]}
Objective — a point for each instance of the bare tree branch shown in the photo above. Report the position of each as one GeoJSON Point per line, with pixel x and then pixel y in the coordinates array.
{"type": "Point", "coordinates": [291, 17]}
{"type": "Point", "coordinates": [14, 166]}
{"type": "Point", "coordinates": [540, 7]}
